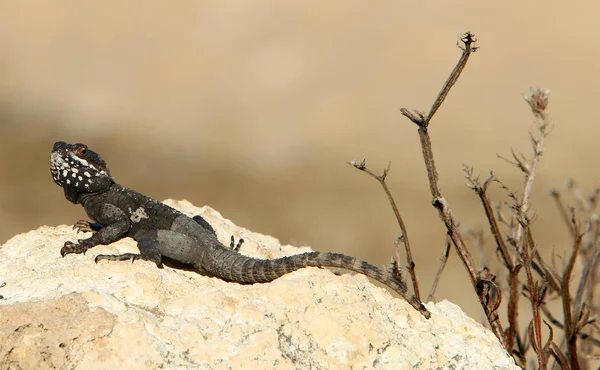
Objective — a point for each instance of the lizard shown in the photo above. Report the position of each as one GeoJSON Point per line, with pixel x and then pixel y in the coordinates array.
{"type": "Point", "coordinates": [164, 232]}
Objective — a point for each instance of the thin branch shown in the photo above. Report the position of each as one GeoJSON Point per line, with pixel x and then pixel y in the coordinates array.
{"type": "Point", "coordinates": [537, 293]}
{"type": "Point", "coordinates": [512, 332]}
{"type": "Point", "coordinates": [476, 236]}
{"type": "Point", "coordinates": [439, 202]}
{"type": "Point", "coordinates": [560, 358]}
{"type": "Point", "coordinates": [578, 195]}
{"type": "Point", "coordinates": [473, 182]}
{"type": "Point", "coordinates": [585, 280]}
{"type": "Point", "coordinates": [537, 100]}
{"type": "Point", "coordinates": [548, 273]}
{"type": "Point", "coordinates": [410, 264]}
{"type": "Point", "coordinates": [563, 212]}
{"type": "Point", "coordinates": [441, 267]}
{"type": "Point", "coordinates": [570, 322]}
{"type": "Point", "coordinates": [554, 321]}
{"type": "Point", "coordinates": [468, 46]}
{"type": "Point", "coordinates": [503, 220]}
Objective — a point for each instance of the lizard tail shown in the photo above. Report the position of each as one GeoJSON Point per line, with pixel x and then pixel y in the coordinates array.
{"type": "Point", "coordinates": [243, 269]}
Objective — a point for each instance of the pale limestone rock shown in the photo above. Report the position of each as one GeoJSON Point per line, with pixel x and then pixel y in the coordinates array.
{"type": "Point", "coordinates": [71, 313]}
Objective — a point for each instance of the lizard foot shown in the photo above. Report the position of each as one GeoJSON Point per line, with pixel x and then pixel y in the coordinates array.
{"type": "Point", "coordinates": [86, 226]}
{"type": "Point", "coordinates": [235, 247]}
{"type": "Point", "coordinates": [127, 257]}
{"type": "Point", "coordinates": [71, 247]}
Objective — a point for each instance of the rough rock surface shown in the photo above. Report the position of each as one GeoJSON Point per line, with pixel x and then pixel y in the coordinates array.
{"type": "Point", "coordinates": [71, 313]}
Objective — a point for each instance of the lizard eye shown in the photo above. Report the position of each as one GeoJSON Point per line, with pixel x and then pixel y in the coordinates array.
{"type": "Point", "coordinates": [81, 151]}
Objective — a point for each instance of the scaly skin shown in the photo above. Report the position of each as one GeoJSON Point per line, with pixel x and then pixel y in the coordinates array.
{"type": "Point", "coordinates": [162, 231]}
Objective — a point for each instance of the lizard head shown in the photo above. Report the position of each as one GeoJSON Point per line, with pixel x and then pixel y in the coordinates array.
{"type": "Point", "coordinates": [77, 169]}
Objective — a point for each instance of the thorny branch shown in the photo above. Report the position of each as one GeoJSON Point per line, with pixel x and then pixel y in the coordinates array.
{"type": "Point", "coordinates": [538, 101]}
{"type": "Point", "coordinates": [577, 312]}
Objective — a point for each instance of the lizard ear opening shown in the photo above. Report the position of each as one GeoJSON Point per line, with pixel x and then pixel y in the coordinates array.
{"type": "Point", "coordinates": [103, 167]}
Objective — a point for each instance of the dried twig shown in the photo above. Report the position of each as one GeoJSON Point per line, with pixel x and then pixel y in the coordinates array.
{"type": "Point", "coordinates": [538, 101]}
{"type": "Point", "coordinates": [571, 322]}
{"type": "Point", "coordinates": [517, 251]}
{"type": "Point", "coordinates": [410, 264]}
{"type": "Point", "coordinates": [468, 46]}
{"type": "Point", "coordinates": [473, 183]}
{"type": "Point", "coordinates": [554, 321]}
{"type": "Point", "coordinates": [582, 202]}
{"type": "Point", "coordinates": [505, 256]}
{"type": "Point", "coordinates": [548, 273]}
{"type": "Point", "coordinates": [537, 294]}
{"type": "Point", "coordinates": [477, 240]}
{"type": "Point", "coordinates": [563, 212]}
{"type": "Point", "coordinates": [439, 202]}
{"type": "Point", "coordinates": [585, 282]}
{"type": "Point", "coordinates": [443, 261]}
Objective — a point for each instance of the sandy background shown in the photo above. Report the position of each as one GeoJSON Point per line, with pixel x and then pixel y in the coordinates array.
{"type": "Point", "coordinates": [253, 107]}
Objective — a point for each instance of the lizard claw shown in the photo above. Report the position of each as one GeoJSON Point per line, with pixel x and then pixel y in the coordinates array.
{"type": "Point", "coordinates": [66, 249]}
{"type": "Point", "coordinates": [71, 247]}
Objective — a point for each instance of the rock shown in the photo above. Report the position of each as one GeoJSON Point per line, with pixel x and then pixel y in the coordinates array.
{"type": "Point", "coordinates": [69, 312]}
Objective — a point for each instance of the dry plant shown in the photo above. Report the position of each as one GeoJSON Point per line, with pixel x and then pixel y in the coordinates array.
{"type": "Point", "coordinates": [568, 342]}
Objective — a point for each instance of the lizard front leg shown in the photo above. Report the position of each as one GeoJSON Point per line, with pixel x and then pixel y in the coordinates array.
{"type": "Point", "coordinates": [117, 226]}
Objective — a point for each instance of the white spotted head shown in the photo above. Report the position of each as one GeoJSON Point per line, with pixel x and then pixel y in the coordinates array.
{"type": "Point", "coordinates": [78, 169]}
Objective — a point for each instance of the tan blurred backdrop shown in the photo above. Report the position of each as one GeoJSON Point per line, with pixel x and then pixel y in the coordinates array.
{"type": "Point", "coordinates": [253, 107]}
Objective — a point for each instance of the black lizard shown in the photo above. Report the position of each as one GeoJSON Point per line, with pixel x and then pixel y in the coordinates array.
{"type": "Point", "coordinates": [162, 231]}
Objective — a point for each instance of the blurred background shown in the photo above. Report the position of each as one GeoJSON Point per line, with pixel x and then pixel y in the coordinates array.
{"type": "Point", "coordinates": [254, 107]}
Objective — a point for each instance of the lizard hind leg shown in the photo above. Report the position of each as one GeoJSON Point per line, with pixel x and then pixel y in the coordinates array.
{"type": "Point", "coordinates": [238, 246]}
{"type": "Point", "coordinates": [202, 222]}
{"type": "Point", "coordinates": [148, 251]}
{"type": "Point", "coordinates": [205, 225]}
